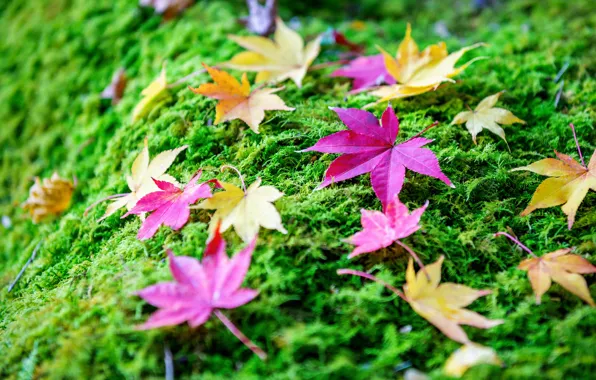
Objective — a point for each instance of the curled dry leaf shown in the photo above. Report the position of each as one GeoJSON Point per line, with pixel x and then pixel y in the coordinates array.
{"type": "Point", "coordinates": [115, 89]}
{"type": "Point", "coordinates": [152, 94]}
{"type": "Point", "coordinates": [370, 147]}
{"type": "Point", "coordinates": [486, 116]}
{"type": "Point", "coordinates": [468, 356]}
{"type": "Point", "coordinates": [276, 60]}
{"type": "Point", "coordinates": [559, 266]}
{"type": "Point", "coordinates": [440, 304]}
{"type": "Point", "coordinates": [417, 72]}
{"type": "Point", "coordinates": [366, 72]}
{"type": "Point", "coordinates": [168, 8]}
{"type": "Point", "coordinates": [202, 288]}
{"type": "Point", "coordinates": [568, 186]}
{"type": "Point", "coordinates": [261, 18]}
{"type": "Point", "coordinates": [48, 197]}
{"type": "Point", "coordinates": [169, 205]}
{"type": "Point", "coordinates": [381, 229]}
{"type": "Point", "coordinates": [237, 101]}
{"type": "Point", "coordinates": [247, 210]}
{"type": "Point", "coordinates": [140, 181]}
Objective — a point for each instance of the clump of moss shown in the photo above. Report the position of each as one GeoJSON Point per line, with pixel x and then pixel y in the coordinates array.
{"type": "Point", "coordinates": [72, 314]}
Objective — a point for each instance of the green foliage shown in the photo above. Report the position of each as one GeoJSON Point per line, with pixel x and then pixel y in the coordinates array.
{"type": "Point", "coordinates": [72, 314]}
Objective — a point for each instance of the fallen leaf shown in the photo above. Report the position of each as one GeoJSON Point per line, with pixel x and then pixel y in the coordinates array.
{"type": "Point", "coordinates": [276, 60]}
{"type": "Point", "coordinates": [261, 18]}
{"type": "Point", "coordinates": [115, 89]}
{"type": "Point", "coordinates": [468, 356]}
{"type": "Point", "coordinates": [414, 374]}
{"type": "Point", "coordinates": [382, 229]}
{"type": "Point", "coordinates": [157, 90]}
{"type": "Point", "coordinates": [568, 186]}
{"type": "Point", "coordinates": [485, 116]}
{"type": "Point", "coordinates": [169, 205]}
{"type": "Point", "coordinates": [340, 39]}
{"type": "Point", "coordinates": [368, 147]}
{"type": "Point", "coordinates": [442, 305]}
{"type": "Point", "coordinates": [168, 8]}
{"type": "Point", "coordinates": [236, 101]}
{"type": "Point", "coordinates": [140, 182]}
{"type": "Point", "coordinates": [245, 209]}
{"type": "Point", "coordinates": [558, 266]}
{"type": "Point", "coordinates": [49, 197]}
{"type": "Point", "coordinates": [366, 72]}
{"type": "Point", "coordinates": [418, 72]}
{"type": "Point", "coordinates": [202, 288]}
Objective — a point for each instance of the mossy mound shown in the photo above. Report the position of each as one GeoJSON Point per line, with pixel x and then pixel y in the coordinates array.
{"type": "Point", "coordinates": [72, 314]}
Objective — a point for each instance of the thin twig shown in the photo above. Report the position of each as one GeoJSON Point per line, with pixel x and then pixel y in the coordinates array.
{"type": "Point", "coordinates": [31, 258]}
{"type": "Point", "coordinates": [324, 65]}
{"type": "Point", "coordinates": [424, 130]}
{"type": "Point", "coordinates": [372, 278]}
{"type": "Point", "coordinates": [581, 156]}
{"type": "Point", "coordinates": [169, 362]}
{"type": "Point", "coordinates": [415, 256]}
{"type": "Point", "coordinates": [238, 334]}
{"type": "Point", "coordinates": [189, 76]}
{"type": "Point", "coordinates": [561, 72]}
{"type": "Point", "coordinates": [103, 200]}
{"type": "Point", "coordinates": [516, 242]}
{"type": "Point", "coordinates": [559, 94]}
{"type": "Point", "coordinates": [238, 172]}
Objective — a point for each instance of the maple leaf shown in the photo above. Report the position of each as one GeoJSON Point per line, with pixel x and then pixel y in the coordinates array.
{"type": "Point", "coordinates": [468, 356]}
{"type": "Point", "coordinates": [366, 72]}
{"type": "Point", "coordinates": [115, 89]}
{"type": "Point", "coordinates": [156, 91]}
{"type": "Point", "coordinates": [558, 266]}
{"type": "Point", "coordinates": [276, 60]}
{"type": "Point", "coordinates": [382, 229]}
{"type": "Point", "coordinates": [417, 72]}
{"type": "Point", "coordinates": [568, 186]}
{"type": "Point", "coordinates": [442, 305]}
{"type": "Point", "coordinates": [140, 181]}
{"type": "Point", "coordinates": [486, 116]}
{"type": "Point", "coordinates": [368, 147]}
{"type": "Point", "coordinates": [341, 40]}
{"type": "Point", "coordinates": [168, 8]}
{"type": "Point", "coordinates": [236, 101]}
{"type": "Point", "coordinates": [170, 205]}
{"type": "Point", "coordinates": [261, 18]}
{"type": "Point", "coordinates": [48, 197]}
{"type": "Point", "coordinates": [202, 288]}
{"type": "Point", "coordinates": [245, 209]}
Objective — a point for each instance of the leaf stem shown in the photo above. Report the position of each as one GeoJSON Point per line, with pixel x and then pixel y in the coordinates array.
{"type": "Point", "coordinates": [239, 175]}
{"type": "Point", "coordinates": [516, 242]}
{"type": "Point", "coordinates": [31, 258]}
{"type": "Point", "coordinates": [581, 156]}
{"type": "Point", "coordinates": [238, 334]}
{"type": "Point", "coordinates": [372, 278]}
{"type": "Point", "coordinates": [415, 256]}
{"type": "Point", "coordinates": [424, 130]}
{"type": "Point", "coordinates": [103, 200]}
{"type": "Point", "coordinates": [324, 65]}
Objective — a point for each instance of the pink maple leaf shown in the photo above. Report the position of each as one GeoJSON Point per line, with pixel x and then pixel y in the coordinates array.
{"type": "Point", "coordinates": [201, 288]}
{"type": "Point", "coordinates": [368, 147]}
{"type": "Point", "coordinates": [380, 230]}
{"type": "Point", "coordinates": [170, 205]}
{"type": "Point", "coordinates": [366, 72]}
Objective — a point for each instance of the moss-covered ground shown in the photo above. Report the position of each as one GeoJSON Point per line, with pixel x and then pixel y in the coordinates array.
{"type": "Point", "coordinates": [72, 314]}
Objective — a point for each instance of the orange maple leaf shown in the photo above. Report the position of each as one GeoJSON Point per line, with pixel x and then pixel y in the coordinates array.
{"type": "Point", "coordinates": [568, 185]}
{"type": "Point", "coordinates": [558, 266]}
{"type": "Point", "coordinates": [237, 101]}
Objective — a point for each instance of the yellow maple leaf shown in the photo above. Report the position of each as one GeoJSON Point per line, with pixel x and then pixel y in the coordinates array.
{"type": "Point", "coordinates": [485, 115]}
{"type": "Point", "coordinates": [468, 356]}
{"type": "Point", "coordinates": [140, 181]}
{"type": "Point", "coordinates": [48, 197]}
{"type": "Point", "coordinates": [276, 60]}
{"type": "Point", "coordinates": [245, 209]}
{"type": "Point", "coordinates": [157, 90]}
{"type": "Point", "coordinates": [440, 304]}
{"type": "Point", "coordinates": [568, 186]}
{"type": "Point", "coordinates": [417, 72]}
{"type": "Point", "coordinates": [236, 101]}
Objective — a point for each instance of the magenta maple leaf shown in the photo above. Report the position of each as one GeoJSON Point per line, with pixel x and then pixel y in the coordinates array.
{"type": "Point", "coordinates": [367, 72]}
{"type": "Point", "coordinates": [201, 288]}
{"type": "Point", "coordinates": [368, 147]}
{"type": "Point", "coordinates": [170, 205]}
{"type": "Point", "coordinates": [380, 230]}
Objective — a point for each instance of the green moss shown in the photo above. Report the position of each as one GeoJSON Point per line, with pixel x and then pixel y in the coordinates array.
{"type": "Point", "coordinates": [72, 314]}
